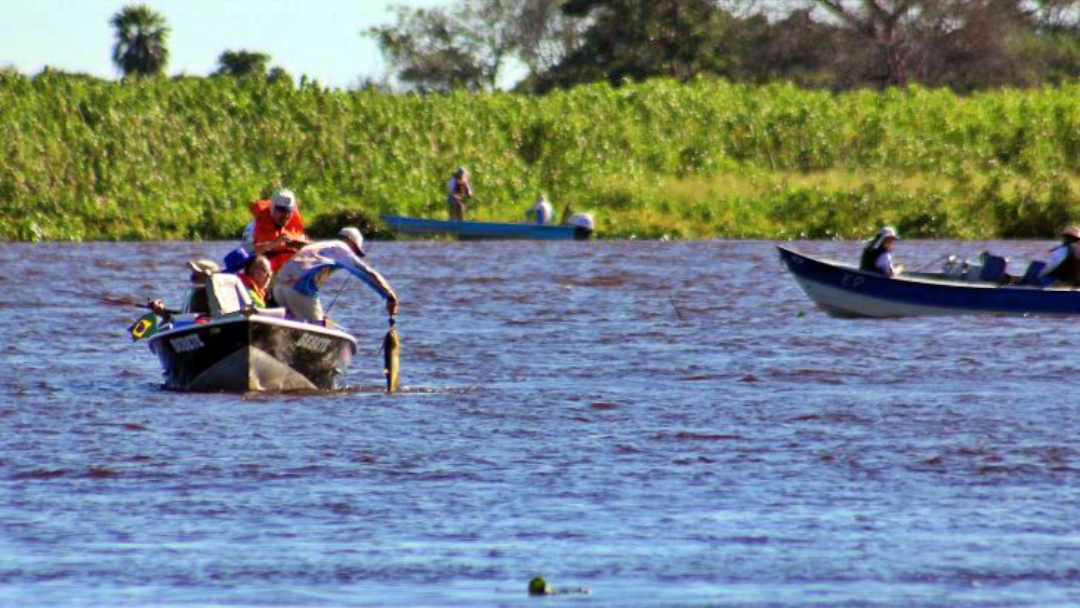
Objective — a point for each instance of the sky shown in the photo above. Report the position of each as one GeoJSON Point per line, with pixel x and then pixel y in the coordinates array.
{"type": "Point", "coordinates": [320, 38]}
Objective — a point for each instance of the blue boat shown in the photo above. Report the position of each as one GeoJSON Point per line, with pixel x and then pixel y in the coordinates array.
{"type": "Point", "coordinates": [845, 291]}
{"type": "Point", "coordinates": [467, 230]}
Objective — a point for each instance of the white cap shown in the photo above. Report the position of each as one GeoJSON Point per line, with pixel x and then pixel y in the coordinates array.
{"type": "Point", "coordinates": [284, 200]}
{"type": "Point", "coordinates": [354, 238]}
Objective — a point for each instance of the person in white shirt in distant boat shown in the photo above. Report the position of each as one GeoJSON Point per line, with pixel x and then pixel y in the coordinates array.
{"type": "Point", "coordinates": [877, 256]}
{"type": "Point", "coordinates": [542, 212]}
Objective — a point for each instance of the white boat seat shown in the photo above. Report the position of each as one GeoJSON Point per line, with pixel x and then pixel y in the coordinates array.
{"type": "Point", "coordinates": [227, 294]}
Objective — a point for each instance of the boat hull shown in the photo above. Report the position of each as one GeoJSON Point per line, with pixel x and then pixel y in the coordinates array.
{"type": "Point", "coordinates": [252, 353]}
{"type": "Point", "coordinates": [466, 230]}
{"type": "Point", "coordinates": [845, 291]}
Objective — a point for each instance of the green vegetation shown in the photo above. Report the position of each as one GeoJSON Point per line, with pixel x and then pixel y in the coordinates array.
{"type": "Point", "coordinates": [161, 159]}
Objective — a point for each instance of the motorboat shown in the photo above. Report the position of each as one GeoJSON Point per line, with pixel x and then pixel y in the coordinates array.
{"type": "Point", "coordinates": [220, 342]}
{"type": "Point", "coordinates": [960, 288]}
{"type": "Point", "coordinates": [580, 226]}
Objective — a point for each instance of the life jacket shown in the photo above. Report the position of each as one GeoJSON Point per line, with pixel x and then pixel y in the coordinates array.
{"type": "Point", "coordinates": [258, 294]}
{"type": "Point", "coordinates": [870, 257]}
{"type": "Point", "coordinates": [266, 231]}
{"type": "Point", "coordinates": [1069, 270]}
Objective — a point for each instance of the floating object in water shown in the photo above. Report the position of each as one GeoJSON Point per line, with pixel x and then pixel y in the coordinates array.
{"type": "Point", "coordinates": [538, 586]}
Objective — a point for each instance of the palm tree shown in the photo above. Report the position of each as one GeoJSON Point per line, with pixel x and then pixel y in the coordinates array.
{"type": "Point", "coordinates": [141, 35]}
{"type": "Point", "coordinates": [242, 63]}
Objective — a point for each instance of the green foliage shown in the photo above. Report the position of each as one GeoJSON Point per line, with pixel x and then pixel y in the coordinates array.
{"type": "Point", "coordinates": [160, 159]}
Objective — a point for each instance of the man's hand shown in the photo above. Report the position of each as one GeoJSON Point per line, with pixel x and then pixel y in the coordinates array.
{"type": "Point", "coordinates": [391, 307]}
{"type": "Point", "coordinates": [157, 307]}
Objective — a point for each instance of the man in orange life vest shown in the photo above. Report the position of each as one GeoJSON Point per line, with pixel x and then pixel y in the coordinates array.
{"type": "Point", "coordinates": [279, 229]}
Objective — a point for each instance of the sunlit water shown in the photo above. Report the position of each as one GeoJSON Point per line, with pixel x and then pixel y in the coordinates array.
{"type": "Point", "coordinates": [666, 424]}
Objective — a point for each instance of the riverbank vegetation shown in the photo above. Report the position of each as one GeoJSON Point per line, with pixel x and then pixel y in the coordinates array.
{"type": "Point", "coordinates": [155, 158]}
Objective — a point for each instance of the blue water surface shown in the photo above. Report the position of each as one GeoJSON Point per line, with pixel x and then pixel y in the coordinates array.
{"type": "Point", "coordinates": [661, 424]}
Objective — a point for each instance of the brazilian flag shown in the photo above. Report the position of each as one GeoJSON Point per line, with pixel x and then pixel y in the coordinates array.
{"type": "Point", "coordinates": [145, 327]}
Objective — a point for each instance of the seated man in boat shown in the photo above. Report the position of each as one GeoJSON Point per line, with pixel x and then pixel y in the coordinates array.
{"type": "Point", "coordinates": [278, 230]}
{"type": "Point", "coordinates": [196, 300]}
{"type": "Point", "coordinates": [542, 212]}
{"type": "Point", "coordinates": [254, 272]}
{"type": "Point", "coordinates": [256, 276]}
{"type": "Point", "coordinates": [1063, 267]}
{"type": "Point", "coordinates": [297, 285]}
{"type": "Point", "coordinates": [457, 192]}
{"type": "Point", "coordinates": [877, 256]}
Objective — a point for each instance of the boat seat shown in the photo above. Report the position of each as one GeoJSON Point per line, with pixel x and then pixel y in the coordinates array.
{"type": "Point", "coordinates": [993, 268]}
{"type": "Point", "coordinates": [1031, 275]}
{"type": "Point", "coordinates": [227, 294]}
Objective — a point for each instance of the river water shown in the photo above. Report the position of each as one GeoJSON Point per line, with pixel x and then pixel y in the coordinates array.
{"type": "Point", "coordinates": [664, 424]}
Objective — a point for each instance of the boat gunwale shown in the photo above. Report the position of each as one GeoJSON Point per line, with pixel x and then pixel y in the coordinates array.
{"type": "Point", "coordinates": [240, 317]}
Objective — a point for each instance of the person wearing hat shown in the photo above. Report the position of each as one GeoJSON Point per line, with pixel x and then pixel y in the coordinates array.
{"type": "Point", "coordinates": [877, 256]}
{"type": "Point", "coordinates": [457, 192]}
{"type": "Point", "coordinates": [297, 285]}
{"type": "Point", "coordinates": [278, 232]}
{"type": "Point", "coordinates": [1064, 264]}
{"type": "Point", "coordinates": [196, 300]}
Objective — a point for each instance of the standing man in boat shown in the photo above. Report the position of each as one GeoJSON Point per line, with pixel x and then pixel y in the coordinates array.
{"type": "Point", "coordinates": [297, 285]}
{"type": "Point", "coordinates": [1064, 263]}
{"type": "Point", "coordinates": [458, 191]}
{"type": "Point", "coordinates": [877, 256]}
{"type": "Point", "coordinates": [278, 232]}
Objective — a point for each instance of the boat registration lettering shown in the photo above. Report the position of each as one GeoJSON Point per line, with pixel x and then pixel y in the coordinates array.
{"type": "Point", "coordinates": [314, 343]}
{"type": "Point", "coordinates": [851, 280]}
{"type": "Point", "coordinates": [186, 344]}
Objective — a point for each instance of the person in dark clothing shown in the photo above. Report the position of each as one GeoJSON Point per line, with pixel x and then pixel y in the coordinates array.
{"type": "Point", "coordinates": [877, 256]}
{"type": "Point", "coordinates": [1064, 264]}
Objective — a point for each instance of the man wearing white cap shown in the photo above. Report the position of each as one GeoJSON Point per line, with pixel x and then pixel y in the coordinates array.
{"type": "Point", "coordinates": [1064, 263]}
{"type": "Point", "coordinates": [279, 229]}
{"type": "Point", "coordinates": [877, 256]}
{"type": "Point", "coordinates": [297, 285]}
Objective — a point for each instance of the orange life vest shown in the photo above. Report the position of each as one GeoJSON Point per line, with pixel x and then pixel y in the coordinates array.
{"type": "Point", "coordinates": [266, 231]}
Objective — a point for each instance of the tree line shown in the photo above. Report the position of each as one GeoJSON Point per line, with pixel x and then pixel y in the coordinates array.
{"type": "Point", "coordinates": [837, 45]}
{"type": "Point", "coordinates": [833, 44]}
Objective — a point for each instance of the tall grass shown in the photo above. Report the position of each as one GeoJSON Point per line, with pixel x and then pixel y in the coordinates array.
{"type": "Point", "coordinates": [152, 159]}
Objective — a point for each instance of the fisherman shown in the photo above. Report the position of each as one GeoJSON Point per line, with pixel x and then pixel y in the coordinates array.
{"type": "Point", "coordinates": [279, 229]}
{"type": "Point", "coordinates": [1063, 267]}
{"type": "Point", "coordinates": [542, 211]}
{"type": "Point", "coordinates": [458, 191]}
{"type": "Point", "coordinates": [877, 256]}
{"type": "Point", "coordinates": [298, 282]}
{"type": "Point", "coordinates": [196, 300]}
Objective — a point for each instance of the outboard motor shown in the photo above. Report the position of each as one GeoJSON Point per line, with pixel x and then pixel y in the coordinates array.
{"type": "Point", "coordinates": [584, 223]}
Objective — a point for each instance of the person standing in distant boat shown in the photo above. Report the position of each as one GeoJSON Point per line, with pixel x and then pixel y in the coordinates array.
{"type": "Point", "coordinates": [458, 191]}
{"type": "Point", "coordinates": [877, 256]}
{"type": "Point", "coordinates": [279, 229]}
{"type": "Point", "coordinates": [1064, 263]}
{"type": "Point", "coordinates": [543, 213]}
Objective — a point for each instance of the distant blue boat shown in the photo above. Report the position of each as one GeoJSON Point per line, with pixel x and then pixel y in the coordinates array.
{"type": "Point", "coordinates": [466, 230]}
{"type": "Point", "coordinates": [845, 291]}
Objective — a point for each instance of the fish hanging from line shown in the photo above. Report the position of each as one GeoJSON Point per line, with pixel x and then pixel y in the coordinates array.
{"type": "Point", "coordinates": [391, 348]}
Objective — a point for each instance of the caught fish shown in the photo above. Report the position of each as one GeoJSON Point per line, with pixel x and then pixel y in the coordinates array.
{"type": "Point", "coordinates": [391, 348]}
